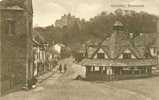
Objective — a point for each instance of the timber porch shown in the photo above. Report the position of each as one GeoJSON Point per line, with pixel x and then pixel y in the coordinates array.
{"type": "Point", "coordinates": [118, 69]}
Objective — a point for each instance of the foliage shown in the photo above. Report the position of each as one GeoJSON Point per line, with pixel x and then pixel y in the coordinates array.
{"type": "Point", "coordinates": [100, 26]}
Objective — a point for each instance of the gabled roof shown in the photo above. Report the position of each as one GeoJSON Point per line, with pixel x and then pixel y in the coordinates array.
{"type": "Point", "coordinates": [104, 48]}
{"type": "Point", "coordinates": [100, 44]}
{"type": "Point", "coordinates": [137, 45]}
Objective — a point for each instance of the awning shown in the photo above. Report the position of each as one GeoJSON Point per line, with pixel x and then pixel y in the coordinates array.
{"type": "Point", "coordinates": [119, 62]}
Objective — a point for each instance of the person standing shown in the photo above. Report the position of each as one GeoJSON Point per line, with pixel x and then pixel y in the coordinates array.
{"type": "Point", "coordinates": [60, 68]}
{"type": "Point", "coordinates": [65, 67]}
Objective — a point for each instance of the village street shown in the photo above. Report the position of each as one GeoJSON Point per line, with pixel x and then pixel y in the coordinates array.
{"type": "Point", "coordinates": [61, 86]}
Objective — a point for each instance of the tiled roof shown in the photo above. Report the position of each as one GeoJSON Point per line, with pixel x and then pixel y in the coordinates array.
{"type": "Point", "coordinates": [137, 45]}
{"type": "Point", "coordinates": [118, 62]}
{"type": "Point", "coordinates": [91, 51]}
{"type": "Point", "coordinates": [106, 50]}
{"type": "Point", "coordinates": [100, 44]}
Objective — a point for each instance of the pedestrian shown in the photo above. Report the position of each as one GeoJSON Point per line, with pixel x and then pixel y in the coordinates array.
{"type": "Point", "coordinates": [65, 67]}
{"type": "Point", "coordinates": [60, 68]}
{"type": "Point", "coordinates": [34, 82]}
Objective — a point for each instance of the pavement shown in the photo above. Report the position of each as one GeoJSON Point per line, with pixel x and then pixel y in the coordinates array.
{"type": "Point", "coordinates": [45, 76]}
{"type": "Point", "coordinates": [60, 86]}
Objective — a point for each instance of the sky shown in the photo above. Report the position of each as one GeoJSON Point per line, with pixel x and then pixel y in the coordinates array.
{"type": "Point", "coordinates": [46, 12]}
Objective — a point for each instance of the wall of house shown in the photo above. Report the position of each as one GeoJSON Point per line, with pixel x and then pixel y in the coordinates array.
{"type": "Point", "coordinates": [13, 51]}
{"type": "Point", "coordinates": [0, 48]}
{"type": "Point", "coordinates": [16, 53]}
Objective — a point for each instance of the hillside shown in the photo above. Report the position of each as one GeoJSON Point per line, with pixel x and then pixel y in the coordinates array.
{"type": "Point", "coordinates": [100, 26]}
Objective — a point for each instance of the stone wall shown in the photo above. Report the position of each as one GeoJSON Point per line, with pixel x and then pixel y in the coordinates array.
{"type": "Point", "coordinates": [16, 49]}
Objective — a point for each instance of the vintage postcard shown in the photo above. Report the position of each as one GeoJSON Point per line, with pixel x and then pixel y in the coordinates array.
{"type": "Point", "coordinates": [79, 49]}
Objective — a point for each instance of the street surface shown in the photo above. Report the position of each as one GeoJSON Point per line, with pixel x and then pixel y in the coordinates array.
{"type": "Point", "coordinates": [61, 86]}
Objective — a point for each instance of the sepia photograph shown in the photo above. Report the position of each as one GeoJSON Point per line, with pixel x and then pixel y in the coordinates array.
{"type": "Point", "coordinates": [79, 49]}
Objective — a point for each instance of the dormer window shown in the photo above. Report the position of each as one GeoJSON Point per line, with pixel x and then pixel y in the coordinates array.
{"type": "Point", "coordinates": [10, 27]}
{"type": "Point", "coordinates": [126, 55]}
{"type": "Point", "coordinates": [100, 55]}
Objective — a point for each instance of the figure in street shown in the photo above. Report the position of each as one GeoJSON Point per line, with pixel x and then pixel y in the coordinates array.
{"type": "Point", "coordinates": [60, 68]}
{"type": "Point", "coordinates": [65, 67]}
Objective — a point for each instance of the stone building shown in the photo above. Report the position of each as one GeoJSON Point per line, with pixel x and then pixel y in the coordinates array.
{"type": "Point", "coordinates": [40, 55]}
{"type": "Point", "coordinates": [67, 20]}
{"type": "Point", "coordinates": [15, 44]}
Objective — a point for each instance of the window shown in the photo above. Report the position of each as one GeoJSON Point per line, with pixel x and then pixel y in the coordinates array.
{"type": "Point", "coordinates": [100, 55]}
{"type": "Point", "coordinates": [10, 26]}
{"type": "Point", "coordinates": [97, 69]}
{"type": "Point", "coordinates": [126, 55]}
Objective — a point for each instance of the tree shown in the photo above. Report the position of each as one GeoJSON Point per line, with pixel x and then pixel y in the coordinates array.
{"type": "Point", "coordinates": [101, 26]}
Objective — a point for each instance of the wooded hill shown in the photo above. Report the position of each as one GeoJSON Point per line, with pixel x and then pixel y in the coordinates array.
{"type": "Point", "coordinates": [100, 26]}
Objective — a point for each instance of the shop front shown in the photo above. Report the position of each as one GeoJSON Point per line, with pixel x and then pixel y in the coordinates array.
{"type": "Point", "coordinates": [118, 69]}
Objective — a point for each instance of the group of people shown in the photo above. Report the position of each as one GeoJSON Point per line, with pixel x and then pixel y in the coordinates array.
{"type": "Point", "coordinates": [33, 82]}
{"type": "Point", "coordinates": [62, 68]}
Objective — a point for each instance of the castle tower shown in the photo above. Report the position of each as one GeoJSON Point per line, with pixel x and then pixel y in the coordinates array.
{"type": "Point", "coordinates": [15, 44]}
